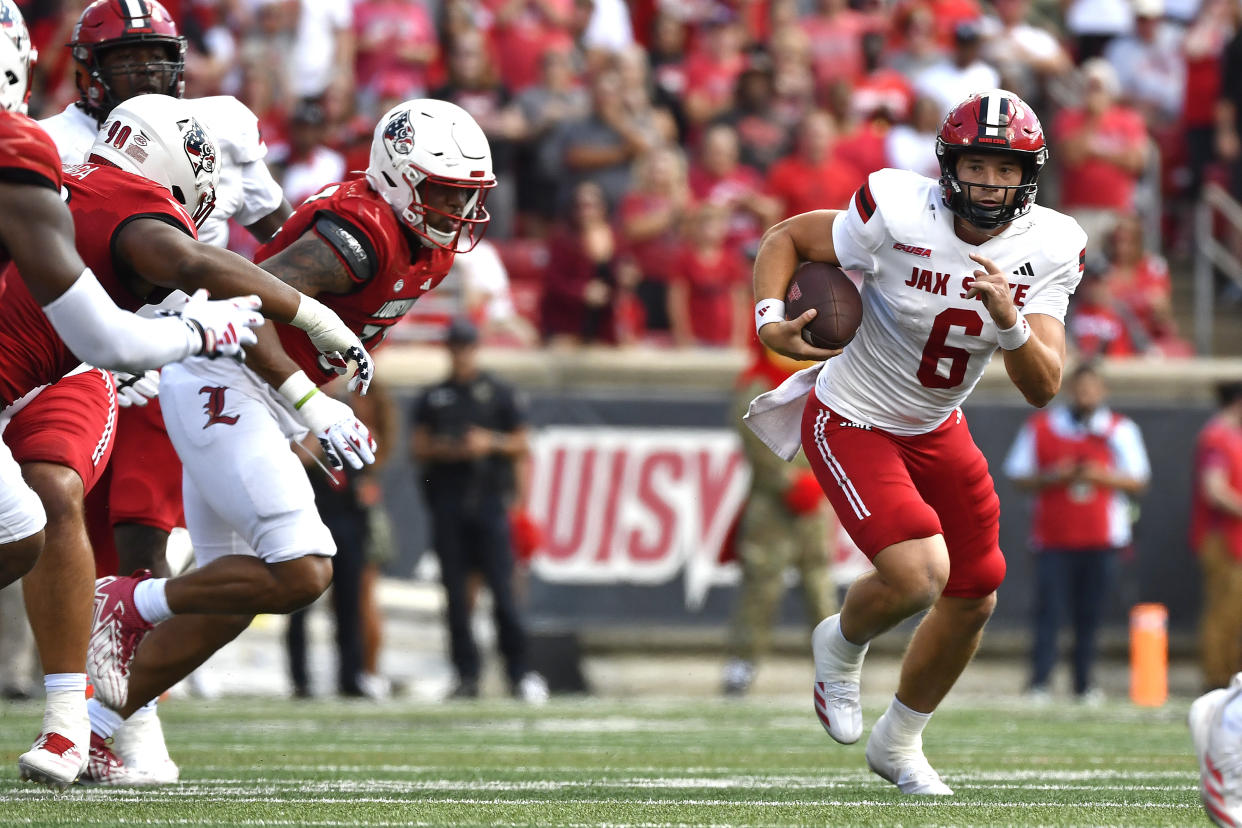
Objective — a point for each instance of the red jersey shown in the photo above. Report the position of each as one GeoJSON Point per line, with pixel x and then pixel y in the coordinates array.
{"type": "Point", "coordinates": [713, 279]}
{"type": "Point", "coordinates": [1096, 181]}
{"type": "Point", "coordinates": [1074, 515]}
{"type": "Point", "coordinates": [803, 186]}
{"type": "Point", "coordinates": [390, 266]}
{"type": "Point", "coordinates": [27, 156]}
{"type": "Point", "coordinates": [1219, 446]}
{"type": "Point", "coordinates": [103, 201]}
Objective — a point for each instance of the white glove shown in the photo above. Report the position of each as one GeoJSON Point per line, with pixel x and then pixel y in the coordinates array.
{"type": "Point", "coordinates": [333, 338]}
{"type": "Point", "coordinates": [136, 390]}
{"type": "Point", "coordinates": [340, 433]}
{"type": "Point", "coordinates": [223, 325]}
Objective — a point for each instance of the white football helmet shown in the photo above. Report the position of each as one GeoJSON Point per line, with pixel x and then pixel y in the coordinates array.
{"type": "Point", "coordinates": [427, 140]}
{"type": "Point", "coordinates": [17, 57]}
{"type": "Point", "coordinates": [158, 138]}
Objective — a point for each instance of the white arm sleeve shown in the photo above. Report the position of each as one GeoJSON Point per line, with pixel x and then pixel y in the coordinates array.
{"type": "Point", "coordinates": [99, 332]}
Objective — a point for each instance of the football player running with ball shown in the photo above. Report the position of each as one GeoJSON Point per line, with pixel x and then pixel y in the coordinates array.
{"type": "Point", "coordinates": [953, 269]}
{"type": "Point", "coordinates": [369, 248]}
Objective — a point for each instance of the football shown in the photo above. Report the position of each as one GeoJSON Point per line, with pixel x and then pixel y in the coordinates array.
{"type": "Point", "coordinates": [826, 288]}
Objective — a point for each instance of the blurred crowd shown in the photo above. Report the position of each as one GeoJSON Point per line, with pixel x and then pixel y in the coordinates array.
{"type": "Point", "coordinates": [643, 147]}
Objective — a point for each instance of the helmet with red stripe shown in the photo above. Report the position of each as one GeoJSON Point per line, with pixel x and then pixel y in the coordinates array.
{"type": "Point", "coordinates": [431, 162]}
{"type": "Point", "coordinates": [17, 58]}
{"type": "Point", "coordinates": [111, 24]}
{"type": "Point", "coordinates": [996, 121]}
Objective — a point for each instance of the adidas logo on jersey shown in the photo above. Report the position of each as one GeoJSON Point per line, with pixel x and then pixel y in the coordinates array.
{"type": "Point", "coordinates": [1025, 272]}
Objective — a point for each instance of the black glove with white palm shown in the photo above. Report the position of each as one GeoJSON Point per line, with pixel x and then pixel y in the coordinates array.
{"type": "Point", "coordinates": [338, 344]}
{"type": "Point", "coordinates": [340, 433]}
{"type": "Point", "coordinates": [136, 389]}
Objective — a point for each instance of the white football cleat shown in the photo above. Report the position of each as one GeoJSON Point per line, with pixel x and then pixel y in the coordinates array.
{"type": "Point", "coordinates": [905, 766]}
{"type": "Point", "coordinates": [104, 767]}
{"type": "Point", "coordinates": [1218, 745]}
{"type": "Point", "coordinates": [117, 631]}
{"type": "Point", "coordinates": [139, 742]}
{"type": "Point", "coordinates": [532, 689]}
{"type": "Point", "coordinates": [54, 760]}
{"type": "Point", "coordinates": [836, 690]}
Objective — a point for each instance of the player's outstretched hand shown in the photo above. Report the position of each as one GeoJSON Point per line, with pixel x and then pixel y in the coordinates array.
{"type": "Point", "coordinates": [341, 434]}
{"type": "Point", "coordinates": [136, 390]}
{"type": "Point", "coordinates": [992, 287]}
{"type": "Point", "coordinates": [338, 344]}
{"type": "Point", "coordinates": [786, 338]}
{"type": "Point", "coordinates": [224, 324]}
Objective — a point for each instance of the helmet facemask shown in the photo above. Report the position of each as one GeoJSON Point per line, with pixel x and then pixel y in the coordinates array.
{"type": "Point", "coordinates": [958, 194]}
{"type": "Point", "coordinates": [469, 221]}
{"type": "Point", "coordinates": [101, 96]}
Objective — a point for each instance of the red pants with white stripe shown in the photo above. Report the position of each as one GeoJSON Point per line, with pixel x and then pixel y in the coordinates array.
{"type": "Point", "coordinates": [886, 488]}
{"type": "Point", "coordinates": [70, 423]}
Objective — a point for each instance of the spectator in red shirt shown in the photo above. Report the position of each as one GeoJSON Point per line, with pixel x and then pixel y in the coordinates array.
{"type": "Point", "coordinates": [1138, 281]}
{"type": "Point", "coordinates": [1103, 147]}
{"type": "Point", "coordinates": [1097, 327]}
{"type": "Point", "coordinates": [651, 215]}
{"type": "Point", "coordinates": [396, 39]}
{"type": "Point", "coordinates": [1216, 536]}
{"type": "Point", "coordinates": [712, 69]}
{"type": "Point", "coordinates": [835, 31]}
{"type": "Point", "coordinates": [814, 178]}
{"type": "Point", "coordinates": [1204, 47]}
{"type": "Point", "coordinates": [709, 292]}
{"type": "Point", "coordinates": [586, 276]}
{"type": "Point", "coordinates": [523, 30]}
{"type": "Point", "coordinates": [720, 177]}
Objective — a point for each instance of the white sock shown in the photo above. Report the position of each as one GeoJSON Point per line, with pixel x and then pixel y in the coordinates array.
{"type": "Point", "coordinates": [147, 709]}
{"type": "Point", "coordinates": [66, 702]}
{"type": "Point", "coordinates": [845, 649]}
{"type": "Point", "coordinates": [104, 720]}
{"type": "Point", "coordinates": [65, 682]}
{"type": "Point", "coordinates": [151, 601]}
{"type": "Point", "coordinates": [905, 724]}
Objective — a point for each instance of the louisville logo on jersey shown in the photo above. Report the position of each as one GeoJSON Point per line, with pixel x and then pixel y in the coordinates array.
{"type": "Point", "coordinates": [399, 134]}
{"type": "Point", "coordinates": [215, 406]}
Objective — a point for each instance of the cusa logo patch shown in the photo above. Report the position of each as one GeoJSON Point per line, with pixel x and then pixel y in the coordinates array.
{"type": "Point", "coordinates": [923, 252]}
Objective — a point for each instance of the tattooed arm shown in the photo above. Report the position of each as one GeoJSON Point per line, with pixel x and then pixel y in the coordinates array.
{"type": "Point", "coordinates": [311, 266]}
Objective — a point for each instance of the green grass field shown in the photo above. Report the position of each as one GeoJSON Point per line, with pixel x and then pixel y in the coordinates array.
{"type": "Point", "coordinates": [593, 762]}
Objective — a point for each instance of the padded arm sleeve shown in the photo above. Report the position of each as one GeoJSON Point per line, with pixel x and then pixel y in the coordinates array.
{"type": "Point", "coordinates": [99, 332]}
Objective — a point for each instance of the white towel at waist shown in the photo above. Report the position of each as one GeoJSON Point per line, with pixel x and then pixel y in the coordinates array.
{"type": "Point", "coordinates": [776, 416]}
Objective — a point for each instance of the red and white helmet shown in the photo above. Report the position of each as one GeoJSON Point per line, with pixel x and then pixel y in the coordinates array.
{"type": "Point", "coordinates": [158, 138]}
{"type": "Point", "coordinates": [996, 121]}
{"type": "Point", "coordinates": [427, 140]}
{"type": "Point", "coordinates": [107, 24]}
{"type": "Point", "coordinates": [17, 57]}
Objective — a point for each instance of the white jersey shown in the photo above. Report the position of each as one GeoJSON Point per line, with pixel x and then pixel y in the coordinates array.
{"type": "Point", "coordinates": [923, 345]}
{"type": "Point", "coordinates": [247, 192]}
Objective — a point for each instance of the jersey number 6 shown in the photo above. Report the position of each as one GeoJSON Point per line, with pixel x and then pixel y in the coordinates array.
{"type": "Point", "coordinates": [936, 349]}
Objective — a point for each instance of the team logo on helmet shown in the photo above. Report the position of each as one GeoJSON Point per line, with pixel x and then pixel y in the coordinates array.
{"type": "Point", "coordinates": [7, 19]}
{"type": "Point", "coordinates": [198, 147]}
{"type": "Point", "coordinates": [399, 134]}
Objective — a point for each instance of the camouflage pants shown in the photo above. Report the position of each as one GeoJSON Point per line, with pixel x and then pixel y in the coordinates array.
{"type": "Point", "coordinates": [771, 539]}
{"type": "Point", "coordinates": [1220, 626]}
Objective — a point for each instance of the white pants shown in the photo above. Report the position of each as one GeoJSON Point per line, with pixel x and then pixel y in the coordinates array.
{"type": "Point", "coordinates": [21, 511]}
{"type": "Point", "coordinates": [245, 491]}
